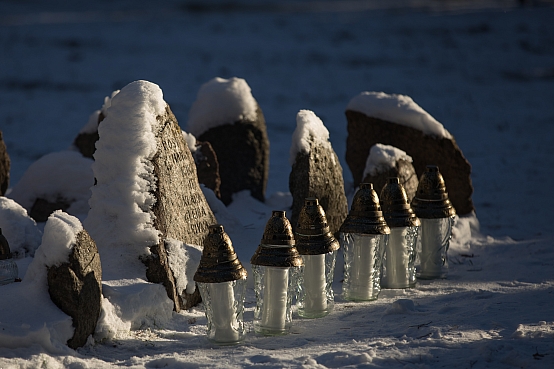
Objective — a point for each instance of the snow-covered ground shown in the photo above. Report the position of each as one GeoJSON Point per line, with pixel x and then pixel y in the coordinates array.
{"type": "Point", "coordinates": [484, 70]}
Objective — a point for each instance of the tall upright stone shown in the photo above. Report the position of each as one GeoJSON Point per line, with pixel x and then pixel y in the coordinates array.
{"type": "Point", "coordinates": [75, 286]}
{"type": "Point", "coordinates": [227, 116]}
{"type": "Point", "coordinates": [316, 171]}
{"type": "Point", "coordinates": [147, 190]}
{"type": "Point", "coordinates": [4, 167]}
{"type": "Point", "coordinates": [396, 120]}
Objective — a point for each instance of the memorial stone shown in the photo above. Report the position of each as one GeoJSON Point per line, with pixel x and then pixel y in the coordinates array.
{"type": "Point", "coordinates": [405, 172]}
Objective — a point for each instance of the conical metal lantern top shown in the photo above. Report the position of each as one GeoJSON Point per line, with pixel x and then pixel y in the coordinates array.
{"type": "Point", "coordinates": [365, 216]}
{"type": "Point", "coordinates": [431, 200]}
{"type": "Point", "coordinates": [219, 262]}
{"type": "Point", "coordinates": [277, 246]}
{"type": "Point", "coordinates": [5, 252]}
{"type": "Point", "coordinates": [313, 235]}
{"type": "Point", "coordinates": [395, 205]}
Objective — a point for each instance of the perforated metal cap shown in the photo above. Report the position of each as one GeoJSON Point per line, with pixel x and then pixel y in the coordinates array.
{"type": "Point", "coordinates": [313, 235]}
{"type": "Point", "coordinates": [431, 200]}
{"type": "Point", "coordinates": [219, 262]}
{"type": "Point", "coordinates": [5, 252]}
{"type": "Point", "coordinates": [365, 216]}
{"type": "Point", "coordinates": [396, 209]}
{"type": "Point", "coordinates": [277, 246]}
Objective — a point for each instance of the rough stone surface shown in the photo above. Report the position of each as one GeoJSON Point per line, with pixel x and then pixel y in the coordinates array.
{"type": "Point", "coordinates": [41, 209]}
{"type": "Point", "coordinates": [242, 150]}
{"type": "Point", "coordinates": [405, 172]}
{"type": "Point", "coordinates": [207, 167]}
{"type": "Point", "coordinates": [181, 210]}
{"type": "Point", "coordinates": [76, 288]}
{"type": "Point", "coordinates": [319, 174]}
{"type": "Point", "coordinates": [364, 132]}
{"type": "Point", "coordinates": [4, 167]}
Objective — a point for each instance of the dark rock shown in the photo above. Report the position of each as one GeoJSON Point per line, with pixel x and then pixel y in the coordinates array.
{"type": "Point", "coordinates": [207, 167]}
{"type": "Point", "coordinates": [364, 132]}
{"type": "Point", "coordinates": [319, 174]}
{"type": "Point", "coordinates": [41, 209]}
{"type": "Point", "coordinates": [84, 142]}
{"type": "Point", "coordinates": [4, 167]}
{"type": "Point", "coordinates": [181, 210]}
{"type": "Point", "coordinates": [76, 288]}
{"type": "Point", "coordinates": [242, 150]}
{"type": "Point", "coordinates": [404, 170]}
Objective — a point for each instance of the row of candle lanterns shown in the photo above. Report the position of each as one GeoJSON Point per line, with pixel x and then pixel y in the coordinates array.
{"type": "Point", "coordinates": [380, 250]}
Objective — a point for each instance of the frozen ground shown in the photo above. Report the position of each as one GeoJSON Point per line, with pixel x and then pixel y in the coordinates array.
{"type": "Point", "coordinates": [485, 71]}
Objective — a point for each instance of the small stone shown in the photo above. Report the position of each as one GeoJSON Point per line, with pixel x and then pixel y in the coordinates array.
{"type": "Point", "coordinates": [425, 149]}
{"type": "Point", "coordinates": [76, 288]}
{"type": "Point", "coordinates": [405, 172]}
{"type": "Point", "coordinates": [4, 167]}
{"type": "Point", "coordinates": [207, 167]}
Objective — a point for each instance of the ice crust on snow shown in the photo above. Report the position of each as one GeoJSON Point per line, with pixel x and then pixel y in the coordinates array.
{"type": "Point", "coordinates": [221, 101]}
{"type": "Point", "coordinates": [64, 174]}
{"type": "Point", "coordinates": [19, 228]}
{"type": "Point", "coordinates": [382, 157]}
{"type": "Point", "coordinates": [120, 206]}
{"type": "Point", "coordinates": [309, 131]}
{"type": "Point", "coordinates": [400, 109]}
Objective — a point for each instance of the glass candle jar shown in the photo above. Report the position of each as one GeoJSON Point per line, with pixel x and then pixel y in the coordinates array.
{"type": "Point", "coordinates": [277, 267]}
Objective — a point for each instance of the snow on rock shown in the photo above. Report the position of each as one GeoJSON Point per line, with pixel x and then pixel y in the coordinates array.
{"type": "Point", "coordinates": [186, 255]}
{"type": "Point", "coordinates": [383, 157]}
{"type": "Point", "coordinates": [191, 141]}
{"type": "Point", "coordinates": [19, 228]}
{"type": "Point", "coordinates": [120, 215]}
{"type": "Point", "coordinates": [37, 320]}
{"type": "Point", "coordinates": [221, 101]}
{"type": "Point", "coordinates": [92, 124]}
{"type": "Point", "coordinates": [309, 131]}
{"type": "Point", "coordinates": [65, 174]}
{"type": "Point", "coordinates": [400, 109]}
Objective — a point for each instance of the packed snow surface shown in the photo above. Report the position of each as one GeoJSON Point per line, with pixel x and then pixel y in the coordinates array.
{"type": "Point", "coordinates": [383, 157]}
{"type": "Point", "coordinates": [221, 101]}
{"type": "Point", "coordinates": [400, 109]}
{"type": "Point", "coordinates": [310, 131]}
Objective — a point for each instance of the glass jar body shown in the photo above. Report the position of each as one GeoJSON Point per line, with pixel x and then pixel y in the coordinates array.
{"type": "Point", "coordinates": [315, 297]}
{"type": "Point", "coordinates": [398, 268]}
{"type": "Point", "coordinates": [432, 250]}
{"type": "Point", "coordinates": [8, 271]}
{"type": "Point", "coordinates": [362, 265]}
{"type": "Point", "coordinates": [224, 304]}
{"type": "Point", "coordinates": [275, 288]}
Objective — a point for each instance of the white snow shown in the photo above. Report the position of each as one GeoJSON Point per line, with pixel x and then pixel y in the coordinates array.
{"type": "Point", "coordinates": [383, 157]}
{"type": "Point", "coordinates": [396, 108]}
{"type": "Point", "coordinates": [120, 219]}
{"type": "Point", "coordinates": [63, 175]}
{"type": "Point", "coordinates": [92, 124]}
{"type": "Point", "coordinates": [475, 70]}
{"type": "Point", "coordinates": [190, 140]}
{"type": "Point", "coordinates": [19, 228]}
{"type": "Point", "coordinates": [221, 101]}
{"type": "Point", "coordinates": [310, 131]}
{"type": "Point", "coordinates": [183, 261]}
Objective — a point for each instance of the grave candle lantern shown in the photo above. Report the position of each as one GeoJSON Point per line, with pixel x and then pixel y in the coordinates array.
{"type": "Point", "coordinates": [221, 280]}
{"type": "Point", "coordinates": [276, 265]}
{"type": "Point", "coordinates": [318, 248]}
{"type": "Point", "coordinates": [8, 267]}
{"type": "Point", "coordinates": [432, 206]}
{"type": "Point", "coordinates": [398, 269]}
{"type": "Point", "coordinates": [364, 236]}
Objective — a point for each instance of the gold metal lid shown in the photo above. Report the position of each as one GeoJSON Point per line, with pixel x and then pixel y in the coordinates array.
{"type": "Point", "coordinates": [219, 262]}
{"type": "Point", "coordinates": [365, 215]}
{"type": "Point", "coordinates": [396, 209]}
{"type": "Point", "coordinates": [431, 200]}
{"type": "Point", "coordinates": [313, 235]}
{"type": "Point", "coordinates": [277, 246]}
